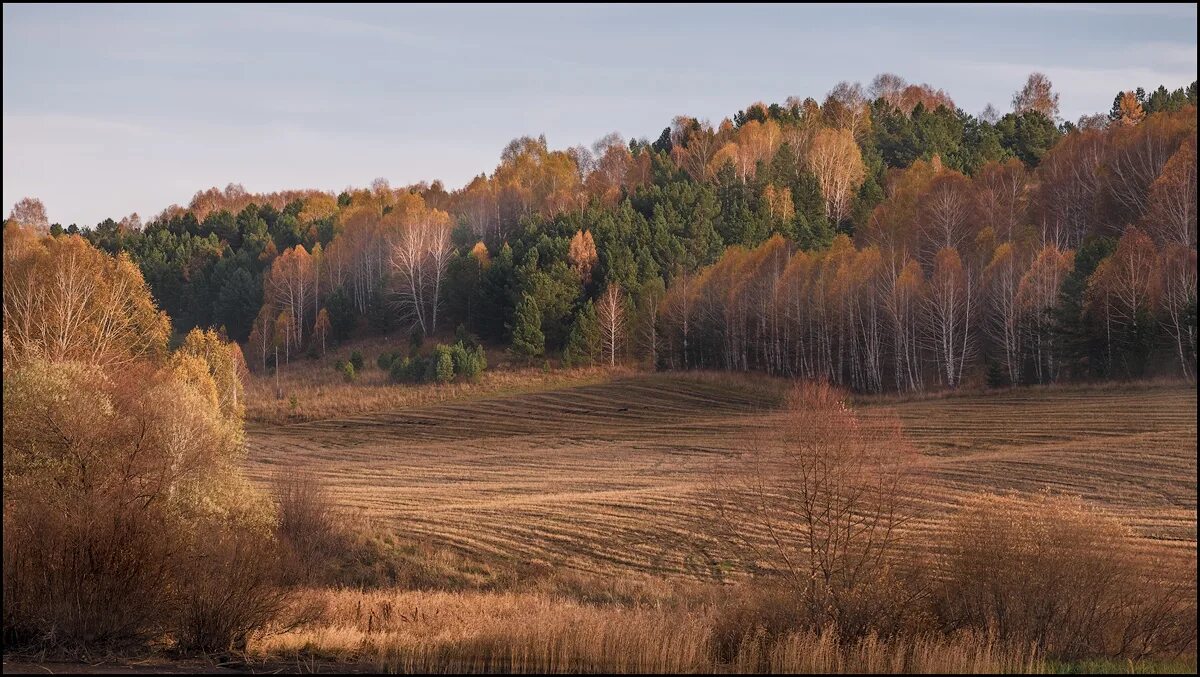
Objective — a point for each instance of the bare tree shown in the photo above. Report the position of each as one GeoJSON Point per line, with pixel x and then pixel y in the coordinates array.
{"type": "Point", "coordinates": [1002, 281]}
{"type": "Point", "coordinates": [1179, 303]}
{"type": "Point", "coordinates": [889, 87]}
{"type": "Point", "coordinates": [695, 147]}
{"type": "Point", "coordinates": [611, 312]}
{"type": "Point", "coordinates": [64, 300]}
{"type": "Point", "coordinates": [1037, 295]}
{"type": "Point", "coordinates": [1171, 214]}
{"type": "Point", "coordinates": [946, 215]}
{"type": "Point", "coordinates": [818, 504]}
{"type": "Point", "coordinates": [438, 251]}
{"type": "Point", "coordinates": [949, 309]}
{"type": "Point", "coordinates": [31, 213]}
{"type": "Point", "coordinates": [846, 106]}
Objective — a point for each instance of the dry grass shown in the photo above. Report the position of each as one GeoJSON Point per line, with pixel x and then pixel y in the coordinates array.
{"type": "Point", "coordinates": [322, 393]}
{"type": "Point", "coordinates": [1129, 450]}
{"type": "Point", "coordinates": [609, 477]}
{"type": "Point", "coordinates": [532, 632]}
{"type": "Point", "coordinates": [314, 390]}
{"type": "Point", "coordinates": [576, 511]}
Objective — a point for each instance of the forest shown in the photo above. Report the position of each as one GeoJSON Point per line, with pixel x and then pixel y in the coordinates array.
{"type": "Point", "coordinates": [881, 239]}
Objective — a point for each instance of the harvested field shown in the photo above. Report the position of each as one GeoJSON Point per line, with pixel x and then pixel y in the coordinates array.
{"type": "Point", "coordinates": [609, 478]}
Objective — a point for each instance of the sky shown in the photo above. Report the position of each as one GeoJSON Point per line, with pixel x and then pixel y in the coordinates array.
{"type": "Point", "coordinates": [116, 109]}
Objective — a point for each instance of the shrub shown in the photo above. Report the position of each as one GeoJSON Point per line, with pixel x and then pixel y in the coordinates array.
{"type": "Point", "coordinates": [229, 590]}
{"type": "Point", "coordinates": [446, 363]}
{"type": "Point", "coordinates": [398, 370]}
{"type": "Point", "coordinates": [408, 370]}
{"type": "Point", "coordinates": [469, 361]}
{"type": "Point", "coordinates": [356, 359]}
{"type": "Point", "coordinates": [830, 492]}
{"type": "Point", "coordinates": [1066, 576]}
{"type": "Point", "coordinates": [460, 356]}
{"type": "Point", "coordinates": [418, 367]}
{"type": "Point", "coordinates": [103, 523]}
{"type": "Point", "coordinates": [348, 372]}
{"type": "Point", "coordinates": [442, 365]}
{"type": "Point", "coordinates": [386, 359]}
{"type": "Point", "coordinates": [308, 528]}
{"type": "Point", "coordinates": [93, 575]}
{"type": "Point", "coordinates": [114, 522]}
{"type": "Point", "coordinates": [477, 364]}
{"type": "Point", "coordinates": [753, 615]}
{"type": "Point", "coordinates": [439, 366]}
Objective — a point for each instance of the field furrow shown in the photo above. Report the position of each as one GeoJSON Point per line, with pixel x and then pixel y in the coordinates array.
{"type": "Point", "coordinates": [611, 477]}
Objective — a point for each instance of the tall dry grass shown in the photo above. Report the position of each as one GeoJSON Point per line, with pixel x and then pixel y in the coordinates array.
{"type": "Point", "coordinates": [530, 632]}
{"type": "Point", "coordinates": [967, 652]}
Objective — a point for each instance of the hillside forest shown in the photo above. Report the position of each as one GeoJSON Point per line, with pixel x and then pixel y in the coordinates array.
{"type": "Point", "coordinates": [881, 239]}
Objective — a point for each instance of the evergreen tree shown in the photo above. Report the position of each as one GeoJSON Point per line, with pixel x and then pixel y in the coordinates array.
{"type": "Point", "coordinates": [237, 303]}
{"type": "Point", "coordinates": [496, 296]}
{"type": "Point", "coordinates": [583, 343]}
{"type": "Point", "coordinates": [341, 315]}
{"type": "Point", "coordinates": [1028, 136]}
{"type": "Point", "coordinates": [442, 365]}
{"type": "Point", "coordinates": [526, 328]}
{"type": "Point", "coordinates": [1082, 343]}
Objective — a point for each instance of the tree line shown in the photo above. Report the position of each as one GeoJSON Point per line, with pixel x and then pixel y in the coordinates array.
{"type": "Point", "coordinates": [881, 238]}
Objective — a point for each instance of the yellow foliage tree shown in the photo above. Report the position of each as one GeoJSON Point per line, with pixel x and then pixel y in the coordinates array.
{"type": "Point", "coordinates": [66, 300]}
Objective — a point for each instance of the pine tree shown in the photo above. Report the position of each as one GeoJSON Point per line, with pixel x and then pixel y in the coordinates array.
{"type": "Point", "coordinates": [1079, 339]}
{"type": "Point", "coordinates": [443, 365]}
{"type": "Point", "coordinates": [527, 337]}
{"type": "Point", "coordinates": [583, 343]}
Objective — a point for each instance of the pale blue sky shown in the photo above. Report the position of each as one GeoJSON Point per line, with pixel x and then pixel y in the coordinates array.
{"type": "Point", "coordinates": [115, 109]}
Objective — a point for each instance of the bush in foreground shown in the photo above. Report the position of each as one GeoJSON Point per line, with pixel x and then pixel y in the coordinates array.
{"type": "Point", "coordinates": [126, 520]}
{"type": "Point", "coordinates": [1063, 575]}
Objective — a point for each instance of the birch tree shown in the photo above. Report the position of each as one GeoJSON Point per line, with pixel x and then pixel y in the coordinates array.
{"type": "Point", "coordinates": [949, 306]}
{"type": "Point", "coordinates": [610, 310]}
